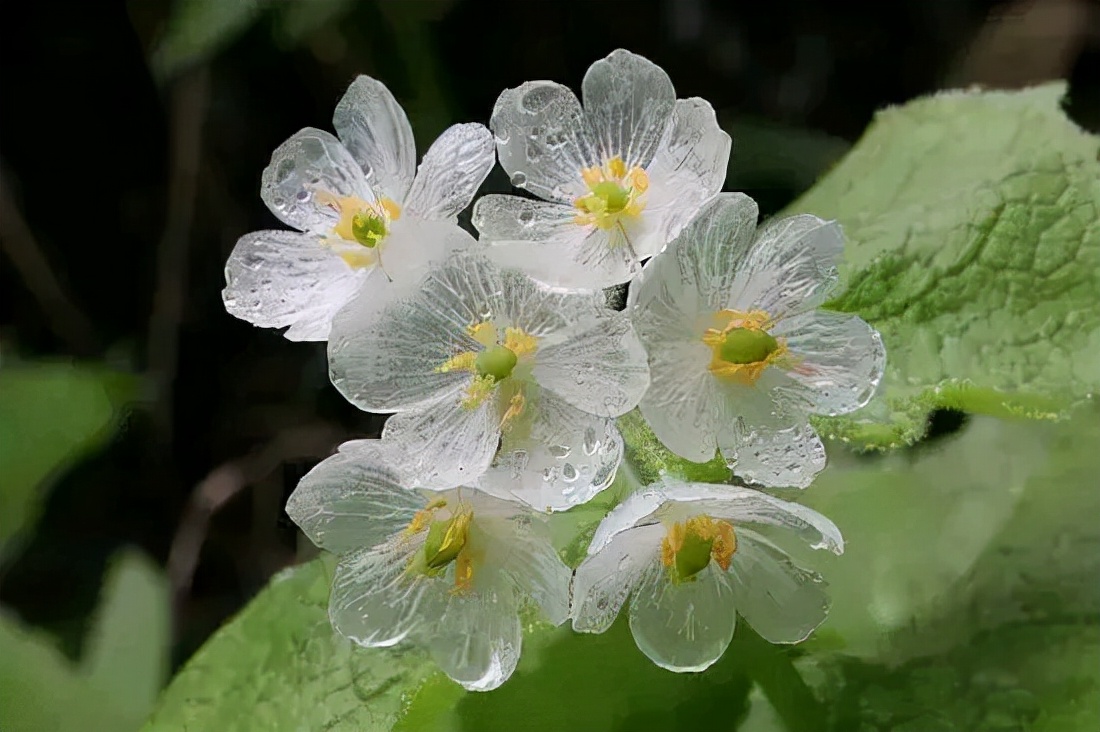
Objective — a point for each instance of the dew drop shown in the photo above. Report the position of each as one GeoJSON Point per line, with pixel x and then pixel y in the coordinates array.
{"type": "Point", "coordinates": [302, 195]}
{"type": "Point", "coordinates": [526, 217]}
{"type": "Point", "coordinates": [559, 451]}
{"type": "Point", "coordinates": [568, 473]}
{"type": "Point", "coordinates": [519, 179]}
{"type": "Point", "coordinates": [591, 443]}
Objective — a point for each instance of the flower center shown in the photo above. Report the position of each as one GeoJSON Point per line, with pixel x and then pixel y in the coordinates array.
{"type": "Point", "coordinates": [503, 354]}
{"type": "Point", "coordinates": [689, 547]}
{"type": "Point", "coordinates": [363, 223]}
{"type": "Point", "coordinates": [446, 542]}
{"type": "Point", "coordinates": [613, 192]}
{"type": "Point", "coordinates": [741, 346]}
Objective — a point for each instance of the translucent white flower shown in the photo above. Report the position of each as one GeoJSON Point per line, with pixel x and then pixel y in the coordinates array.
{"type": "Point", "coordinates": [448, 569]}
{"type": "Point", "coordinates": [739, 355]}
{"type": "Point", "coordinates": [362, 210]}
{"type": "Point", "coordinates": [476, 353]}
{"type": "Point", "coordinates": [693, 556]}
{"type": "Point", "coordinates": [620, 176]}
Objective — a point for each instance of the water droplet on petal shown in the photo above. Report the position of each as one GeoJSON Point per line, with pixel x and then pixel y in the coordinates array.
{"type": "Point", "coordinates": [519, 179]}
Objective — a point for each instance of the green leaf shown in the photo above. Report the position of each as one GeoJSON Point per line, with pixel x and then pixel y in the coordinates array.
{"type": "Point", "coordinates": [50, 415]}
{"type": "Point", "coordinates": [279, 666]}
{"type": "Point", "coordinates": [115, 685]}
{"type": "Point", "coordinates": [198, 29]}
{"type": "Point", "coordinates": [973, 226]}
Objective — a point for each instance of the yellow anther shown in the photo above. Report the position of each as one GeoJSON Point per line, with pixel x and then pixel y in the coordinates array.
{"type": "Point", "coordinates": [616, 167]}
{"type": "Point", "coordinates": [614, 191]}
{"type": "Point", "coordinates": [393, 211]}
{"type": "Point", "coordinates": [462, 362]}
{"type": "Point", "coordinates": [741, 346]}
{"type": "Point", "coordinates": [516, 405]}
{"type": "Point", "coordinates": [478, 391]}
{"type": "Point", "coordinates": [520, 342]}
{"type": "Point", "coordinates": [691, 545]}
{"type": "Point", "coordinates": [423, 518]}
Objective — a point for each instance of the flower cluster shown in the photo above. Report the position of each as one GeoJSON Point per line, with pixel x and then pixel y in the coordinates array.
{"type": "Point", "coordinates": [504, 368]}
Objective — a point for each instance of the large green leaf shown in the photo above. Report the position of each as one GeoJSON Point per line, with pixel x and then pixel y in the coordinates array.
{"type": "Point", "coordinates": [973, 226]}
{"type": "Point", "coordinates": [50, 414]}
{"type": "Point", "coordinates": [116, 682]}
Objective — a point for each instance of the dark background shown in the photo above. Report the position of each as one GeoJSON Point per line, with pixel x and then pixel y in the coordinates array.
{"type": "Point", "coordinates": [127, 174]}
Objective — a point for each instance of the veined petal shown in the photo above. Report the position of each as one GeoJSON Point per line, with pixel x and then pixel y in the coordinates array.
{"type": "Point", "coordinates": [628, 99]}
{"type": "Point", "coordinates": [517, 549]}
{"type": "Point", "coordinates": [683, 626]}
{"type": "Point", "coordinates": [635, 508]}
{"type": "Point", "coordinates": [562, 457]}
{"type": "Point", "coordinates": [791, 269]}
{"type": "Point", "coordinates": [604, 580]}
{"type": "Point", "coordinates": [688, 169]}
{"type": "Point", "coordinates": [782, 602]}
{"type": "Point", "coordinates": [305, 173]}
{"type": "Point", "coordinates": [384, 354]}
{"type": "Point", "coordinates": [414, 246]}
{"type": "Point", "coordinates": [840, 360]}
{"type": "Point", "coordinates": [684, 405]}
{"type": "Point", "coordinates": [353, 498]}
{"type": "Point", "coordinates": [601, 371]}
{"type": "Point", "coordinates": [790, 457]}
{"type": "Point", "coordinates": [280, 278]}
{"type": "Point", "coordinates": [543, 140]}
{"type": "Point", "coordinates": [745, 505]}
{"type": "Point", "coordinates": [376, 131]}
{"type": "Point", "coordinates": [478, 638]}
{"type": "Point", "coordinates": [376, 603]}
{"type": "Point", "coordinates": [444, 444]}
{"type": "Point", "coordinates": [451, 172]}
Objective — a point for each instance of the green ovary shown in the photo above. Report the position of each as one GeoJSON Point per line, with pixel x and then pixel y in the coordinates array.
{"type": "Point", "coordinates": [747, 345]}
{"type": "Point", "coordinates": [445, 540]}
{"type": "Point", "coordinates": [614, 196]}
{"type": "Point", "coordinates": [496, 362]}
{"type": "Point", "coordinates": [368, 229]}
{"type": "Point", "coordinates": [693, 556]}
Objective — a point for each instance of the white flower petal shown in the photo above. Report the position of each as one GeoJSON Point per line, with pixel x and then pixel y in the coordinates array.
{"type": "Point", "coordinates": [684, 405]}
{"type": "Point", "coordinates": [376, 131]}
{"type": "Point", "coordinates": [376, 603]}
{"type": "Point", "coordinates": [782, 602]}
{"type": "Point", "coordinates": [780, 458]}
{"type": "Point", "coordinates": [840, 360]}
{"type": "Point", "coordinates": [628, 100]}
{"type": "Point", "coordinates": [451, 172]}
{"type": "Point", "coordinates": [353, 498]}
{"type": "Point", "coordinates": [414, 246]}
{"type": "Point", "coordinates": [306, 170]}
{"type": "Point", "coordinates": [604, 580]}
{"type": "Point", "coordinates": [280, 278]}
{"type": "Point", "coordinates": [543, 140]}
{"type": "Point", "coordinates": [683, 626]}
{"type": "Point", "coordinates": [689, 168]}
{"type": "Point", "coordinates": [478, 639]}
{"type": "Point", "coordinates": [745, 505]}
{"type": "Point", "coordinates": [561, 458]}
{"type": "Point", "coordinates": [791, 268]}
{"type": "Point", "coordinates": [601, 371]}
{"type": "Point", "coordinates": [383, 354]}
{"type": "Point", "coordinates": [634, 509]}
{"type": "Point", "coordinates": [518, 550]}
{"type": "Point", "coordinates": [444, 444]}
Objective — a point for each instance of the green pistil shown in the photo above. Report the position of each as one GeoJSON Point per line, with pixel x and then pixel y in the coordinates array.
{"type": "Point", "coordinates": [368, 228]}
{"type": "Point", "coordinates": [693, 556]}
{"type": "Point", "coordinates": [495, 361]}
{"type": "Point", "coordinates": [747, 345]}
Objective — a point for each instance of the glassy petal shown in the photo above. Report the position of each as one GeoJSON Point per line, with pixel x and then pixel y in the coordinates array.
{"type": "Point", "coordinates": [444, 444]}
{"type": "Point", "coordinates": [791, 268]}
{"type": "Point", "coordinates": [604, 580]}
{"type": "Point", "coordinates": [601, 371]}
{"type": "Point", "coordinates": [683, 626]}
{"type": "Point", "coordinates": [635, 508]}
{"type": "Point", "coordinates": [559, 459]}
{"type": "Point", "coordinates": [376, 132]}
{"type": "Point", "coordinates": [628, 99]}
{"type": "Point", "coordinates": [376, 603]}
{"type": "Point", "coordinates": [280, 278]}
{"type": "Point", "coordinates": [745, 505]}
{"type": "Point", "coordinates": [478, 638]}
{"type": "Point", "coordinates": [353, 499]}
{"type": "Point", "coordinates": [782, 602]}
{"type": "Point", "coordinates": [414, 246]}
{"type": "Point", "coordinates": [451, 172]}
{"type": "Point", "coordinates": [684, 404]}
{"type": "Point", "coordinates": [304, 173]}
{"type": "Point", "coordinates": [840, 360]}
{"type": "Point", "coordinates": [543, 140]}
{"type": "Point", "coordinates": [384, 354]}
{"type": "Point", "coordinates": [779, 458]}
{"type": "Point", "coordinates": [689, 168]}
{"type": "Point", "coordinates": [517, 549]}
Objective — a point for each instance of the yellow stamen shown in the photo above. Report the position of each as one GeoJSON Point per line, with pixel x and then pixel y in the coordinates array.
{"type": "Point", "coordinates": [462, 362]}
{"type": "Point", "coordinates": [516, 405]}
{"type": "Point", "coordinates": [519, 342]}
{"type": "Point", "coordinates": [478, 391]}
{"type": "Point", "coordinates": [727, 321]}
{"type": "Point", "coordinates": [516, 340]}
{"type": "Point", "coordinates": [423, 518]}
{"type": "Point", "coordinates": [484, 333]}
{"type": "Point", "coordinates": [614, 193]}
